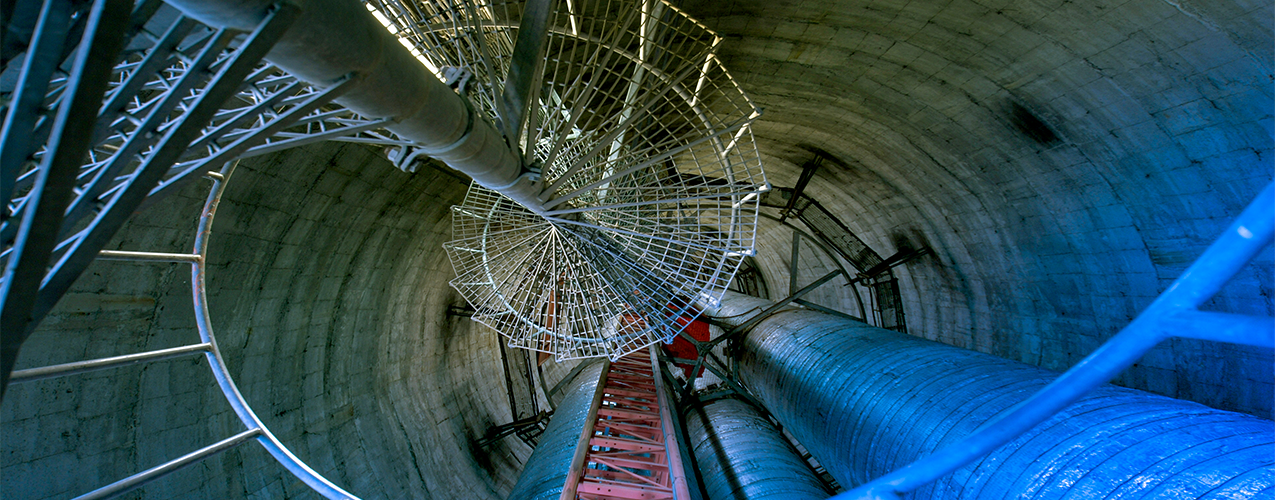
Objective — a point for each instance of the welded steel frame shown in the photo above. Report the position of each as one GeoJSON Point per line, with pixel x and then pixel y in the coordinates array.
{"type": "Point", "coordinates": [35, 229]}
{"type": "Point", "coordinates": [1173, 314]}
{"type": "Point", "coordinates": [823, 246]}
{"type": "Point", "coordinates": [255, 428]}
{"type": "Point", "coordinates": [46, 228]}
{"type": "Point", "coordinates": [170, 112]}
{"type": "Point", "coordinates": [705, 348]}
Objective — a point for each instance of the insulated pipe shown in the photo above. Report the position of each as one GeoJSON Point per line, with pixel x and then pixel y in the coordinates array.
{"type": "Point", "coordinates": [547, 468]}
{"type": "Point", "coordinates": [866, 401]}
{"type": "Point", "coordinates": [335, 38]}
{"type": "Point", "coordinates": [742, 456]}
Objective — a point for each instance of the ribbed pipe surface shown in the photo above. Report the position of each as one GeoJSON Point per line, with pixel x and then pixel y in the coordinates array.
{"type": "Point", "coordinates": [866, 401]}
{"type": "Point", "coordinates": [546, 471]}
{"type": "Point", "coordinates": [741, 455]}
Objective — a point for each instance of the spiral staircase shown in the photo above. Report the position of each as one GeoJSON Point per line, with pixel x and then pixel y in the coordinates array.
{"type": "Point", "coordinates": [634, 189]}
{"type": "Point", "coordinates": [636, 141]}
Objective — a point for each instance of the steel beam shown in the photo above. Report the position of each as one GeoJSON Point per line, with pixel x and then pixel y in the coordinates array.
{"type": "Point", "coordinates": [78, 367]}
{"type": "Point", "coordinates": [517, 105]}
{"type": "Point", "coordinates": [43, 57]}
{"type": "Point", "coordinates": [143, 478]}
{"type": "Point", "coordinates": [42, 219]}
{"type": "Point", "coordinates": [792, 264]}
{"type": "Point", "coordinates": [807, 172]}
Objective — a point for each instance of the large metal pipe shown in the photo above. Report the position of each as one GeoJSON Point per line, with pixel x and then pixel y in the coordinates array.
{"type": "Point", "coordinates": [865, 401]}
{"type": "Point", "coordinates": [332, 39]}
{"type": "Point", "coordinates": [742, 456]}
{"type": "Point", "coordinates": [550, 463]}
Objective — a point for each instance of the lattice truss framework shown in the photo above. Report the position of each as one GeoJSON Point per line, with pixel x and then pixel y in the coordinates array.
{"type": "Point", "coordinates": [640, 144]}
{"type": "Point", "coordinates": [147, 128]}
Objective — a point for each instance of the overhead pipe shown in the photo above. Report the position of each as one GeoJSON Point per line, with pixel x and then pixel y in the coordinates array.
{"type": "Point", "coordinates": [335, 38]}
{"type": "Point", "coordinates": [546, 471]}
{"type": "Point", "coordinates": [866, 401]}
{"type": "Point", "coordinates": [742, 456]}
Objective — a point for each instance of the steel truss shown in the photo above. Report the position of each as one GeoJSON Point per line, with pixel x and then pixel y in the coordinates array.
{"type": "Point", "coordinates": [119, 104]}
{"type": "Point", "coordinates": [151, 101]}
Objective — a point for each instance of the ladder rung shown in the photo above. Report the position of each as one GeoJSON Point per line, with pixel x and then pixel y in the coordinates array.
{"type": "Point", "coordinates": [632, 463]}
{"type": "Point", "coordinates": [104, 363]}
{"type": "Point", "coordinates": [621, 492]}
{"type": "Point", "coordinates": [630, 393]}
{"type": "Point", "coordinates": [148, 256]}
{"type": "Point", "coordinates": [609, 412]}
{"type": "Point", "coordinates": [625, 444]}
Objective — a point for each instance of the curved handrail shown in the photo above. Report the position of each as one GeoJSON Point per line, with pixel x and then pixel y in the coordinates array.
{"type": "Point", "coordinates": [1249, 234]}
{"type": "Point", "coordinates": [217, 363]}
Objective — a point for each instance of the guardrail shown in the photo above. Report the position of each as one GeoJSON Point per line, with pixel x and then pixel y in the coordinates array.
{"type": "Point", "coordinates": [207, 345]}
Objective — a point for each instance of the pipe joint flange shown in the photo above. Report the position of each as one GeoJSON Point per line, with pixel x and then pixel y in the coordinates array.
{"type": "Point", "coordinates": [527, 176]}
{"type": "Point", "coordinates": [470, 118]}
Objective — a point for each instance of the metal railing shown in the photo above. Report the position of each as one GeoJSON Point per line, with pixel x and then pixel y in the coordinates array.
{"type": "Point", "coordinates": [1172, 314]}
{"type": "Point", "coordinates": [255, 428]}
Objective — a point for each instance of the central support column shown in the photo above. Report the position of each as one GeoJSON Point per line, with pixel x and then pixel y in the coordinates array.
{"type": "Point", "coordinates": [333, 39]}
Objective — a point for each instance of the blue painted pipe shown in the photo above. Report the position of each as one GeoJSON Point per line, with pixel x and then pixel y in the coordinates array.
{"type": "Point", "coordinates": [546, 470]}
{"type": "Point", "coordinates": [742, 456]}
{"type": "Point", "coordinates": [866, 401]}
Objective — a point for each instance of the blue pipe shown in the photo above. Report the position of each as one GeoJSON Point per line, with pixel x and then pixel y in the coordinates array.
{"type": "Point", "coordinates": [1173, 313]}
{"type": "Point", "coordinates": [546, 470]}
{"type": "Point", "coordinates": [866, 401]}
{"type": "Point", "coordinates": [742, 456]}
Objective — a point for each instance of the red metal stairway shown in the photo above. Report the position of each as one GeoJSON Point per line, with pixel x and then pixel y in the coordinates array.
{"type": "Point", "coordinates": [632, 453]}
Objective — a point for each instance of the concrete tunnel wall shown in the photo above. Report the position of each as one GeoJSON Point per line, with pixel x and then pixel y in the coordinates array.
{"type": "Point", "coordinates": [1161, 113]}
{"type": "Point", "coordinates": [332, 313]}
{"type": "Point", "coordinates": [328, 293]}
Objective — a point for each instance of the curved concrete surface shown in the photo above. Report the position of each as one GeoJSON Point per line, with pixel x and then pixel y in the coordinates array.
{"type": "Point", "coordinates": [1064, 159]}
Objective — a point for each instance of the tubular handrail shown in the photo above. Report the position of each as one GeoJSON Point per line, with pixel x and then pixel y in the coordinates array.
{"type": "Point", "coordinates": [255, 429]}
{"type": "Point", "coordinates": [218, 364]}
{"type": "Point", "coordinates": [1175, 308]}
{"type": "Point", "coordinates": [62, 370]}
{"type": "Point", "coordinates": [677, 470]}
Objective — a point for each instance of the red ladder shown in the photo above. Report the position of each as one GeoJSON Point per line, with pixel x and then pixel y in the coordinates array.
{"type": "Point", "coordinates": [630, 448]}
